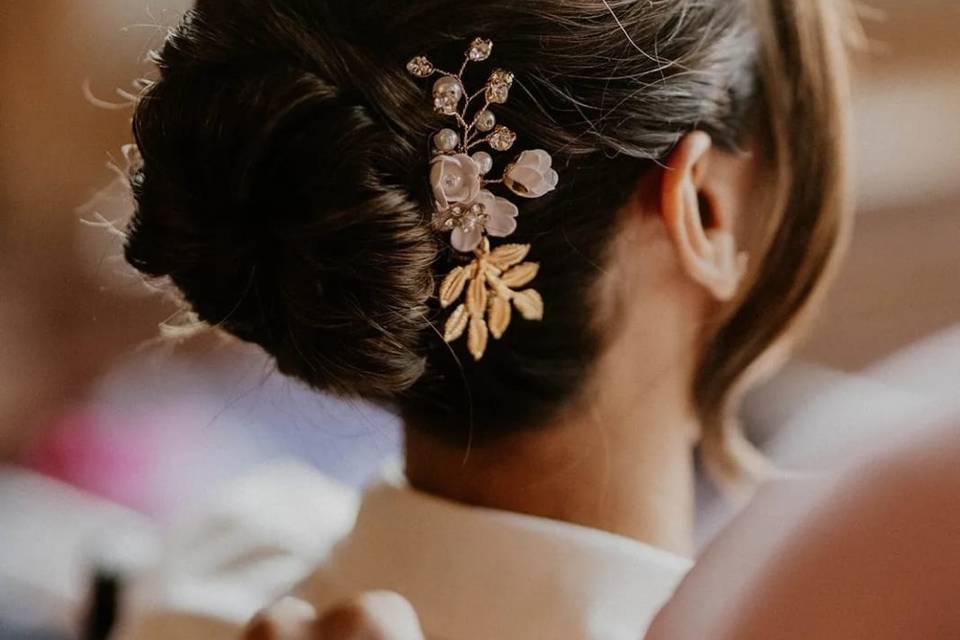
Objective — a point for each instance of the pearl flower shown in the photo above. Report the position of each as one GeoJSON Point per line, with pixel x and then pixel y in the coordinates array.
{"type": "Point", "coordinates": [455, 179]}
{"type": "Point", "coordinates": [532, 175]}
{"type": "Point", "coordinates": [499, 220]}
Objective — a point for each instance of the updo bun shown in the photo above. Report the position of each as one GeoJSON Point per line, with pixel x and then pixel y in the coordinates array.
{"type": "Point", "coordinates": [273, 201]}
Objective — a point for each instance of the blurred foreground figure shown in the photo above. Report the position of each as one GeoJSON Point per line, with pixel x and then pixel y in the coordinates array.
{"type": "Point", "coordinates": [873, 554]}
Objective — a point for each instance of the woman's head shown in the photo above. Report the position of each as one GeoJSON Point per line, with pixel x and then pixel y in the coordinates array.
{"type": "Point", "coordinates": [284, 184]}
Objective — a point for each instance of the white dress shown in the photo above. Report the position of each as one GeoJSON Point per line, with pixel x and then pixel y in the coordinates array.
{"type": "Point", "coordinates": [481, 574]}
{"type": "Point", "coordinates": [471, 574]}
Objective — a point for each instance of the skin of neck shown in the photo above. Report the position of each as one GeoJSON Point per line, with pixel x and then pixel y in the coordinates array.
{"type": "Point", "coordinates": [619, 458]}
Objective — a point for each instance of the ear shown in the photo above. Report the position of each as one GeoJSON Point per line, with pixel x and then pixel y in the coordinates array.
{"type": "Point", "coordinates": [699, 207]}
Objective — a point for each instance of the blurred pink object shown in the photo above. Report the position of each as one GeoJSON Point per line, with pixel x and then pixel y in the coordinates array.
{"type": "Point", "coordinates": [85, 451]}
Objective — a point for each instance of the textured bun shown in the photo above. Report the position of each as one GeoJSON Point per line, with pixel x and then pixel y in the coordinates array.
{"type": "Point", "coordinates": [274, 206]}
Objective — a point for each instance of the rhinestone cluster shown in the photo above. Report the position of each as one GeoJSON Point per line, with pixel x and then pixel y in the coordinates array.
{"type": "Point", "coordinates": [421, 67]}
{"type": "Point", "coordinates": [461, 217]}
{"type": "Point", "coordinates": [502, 139]}
{"type": "Point", "coordinates": [498, 87]}
{"type": "Point", "coordinates": [480, 50]}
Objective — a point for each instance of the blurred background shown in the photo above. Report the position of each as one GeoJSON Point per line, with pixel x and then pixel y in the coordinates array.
{"type": "Point", "coordinates": [91, 400]}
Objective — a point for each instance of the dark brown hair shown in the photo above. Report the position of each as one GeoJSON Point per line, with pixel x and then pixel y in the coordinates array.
{"type": "Point", "coordinates": [284, 187]}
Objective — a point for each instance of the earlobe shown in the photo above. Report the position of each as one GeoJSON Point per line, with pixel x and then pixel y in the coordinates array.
{"type": "Point", "coordinates": [704, 239]}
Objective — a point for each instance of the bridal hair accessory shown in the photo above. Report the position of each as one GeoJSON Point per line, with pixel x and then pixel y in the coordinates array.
{"type": "Point", "coordinates": [490, 285]}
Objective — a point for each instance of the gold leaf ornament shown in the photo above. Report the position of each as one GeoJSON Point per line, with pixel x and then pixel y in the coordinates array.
{"type": "Point", "coordinates": [456, 324]}
{"type": "Point", "coordinates": [488, 288]}
{"type": "Point", "coordinates": [508, 255]}
{"type": "Point", "coordinates": [500, 317]}
{"type": "Point", "coordinates": [478, 338]}
{"type": "Point", "coordinates": [452, 287]}
{"type": "Point", "coordinates": [521, 275]}
{"type": "Point", "coordinates": [477, 296]}
{"type": "Point", "coordinates": [530, 304]}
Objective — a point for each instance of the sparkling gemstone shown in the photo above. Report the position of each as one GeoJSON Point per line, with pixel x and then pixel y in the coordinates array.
{"type": "Point", "coordinates": [486, 120]}
{"type": "Point", "coordinates": [484, 160]}
{"type": "Point", "coordinates": [498, 86]}
{"type": "Point", "coordinates": [446, 140]}
{"type": "Point", "coordinates": [461, 217]}
{"type": "Point", "coordinates": [502, 76]}
{"type": "Point", "coordinates": [502, 139]}
{"type": "Point", "coordinates": [421, 67]}
{"type": "Point", "coordinates": [464, 217]}
{"type": "Point", "coordinates": [480, 50]}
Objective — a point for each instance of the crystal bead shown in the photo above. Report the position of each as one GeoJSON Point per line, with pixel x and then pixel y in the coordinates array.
{"type": "Point", "coordinates": [498, 86]}
{"type": "Point", "coordinates": [486, 121]}
{"type": "Point", "coordinates": [446, 140]}
{"type": "Point", "coordinates": [421, 67]}
{"type": "Point", "coordinates": [502, 139]}
{"type": "Point", "coordinates": [480, 50]}
{"type": "Point", "coordinates": [502, 76]}
{"type": "Point", "coordinates": [484, 160]}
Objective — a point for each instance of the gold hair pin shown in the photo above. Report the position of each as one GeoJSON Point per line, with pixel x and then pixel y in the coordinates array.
{"type": "Point", "coordinates": [471, 213]}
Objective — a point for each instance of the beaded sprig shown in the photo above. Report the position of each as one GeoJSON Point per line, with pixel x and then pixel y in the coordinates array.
{"type": "Point", "coordinates": [472, 214]}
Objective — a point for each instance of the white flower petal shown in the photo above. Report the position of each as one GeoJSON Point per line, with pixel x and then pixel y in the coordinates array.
{"type": "Point", "coordinates": [466, 242]}
{"type": "Point", "coordinates": [552, 179]}
{"type": "Point", "coordinates": [503, 218]}
{"type": "Point", "coordinates": [487, 199]}
{"type": "Point", "coordinates": [436, 179]}
{"type": "Point", "coordinates": [543, 160]}
{"type": "Point", "coordinates": [531, 176]}
{"type": "Point", "coordinates": [501, 226]}
{"type": "Point", "coordinates": [455, 179]}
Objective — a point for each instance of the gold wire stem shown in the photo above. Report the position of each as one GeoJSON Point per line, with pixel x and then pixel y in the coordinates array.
{"type": "Point", "coordinates": [471, 129]}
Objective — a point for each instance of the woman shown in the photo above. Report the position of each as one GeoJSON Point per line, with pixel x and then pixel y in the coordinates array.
{"type": "Point", "coordinates": [306, 193]}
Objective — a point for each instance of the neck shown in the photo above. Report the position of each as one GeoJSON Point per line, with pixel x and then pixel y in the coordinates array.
{"type": "Point", "coordinates": [622, 465]}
